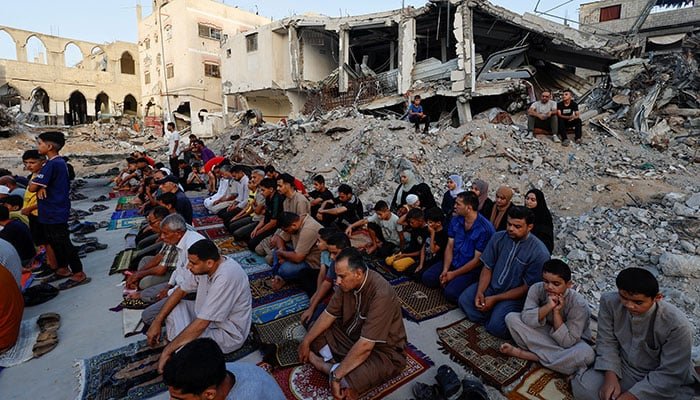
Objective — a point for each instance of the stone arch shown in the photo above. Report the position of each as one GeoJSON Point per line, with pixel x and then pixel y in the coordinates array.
{"type": "Point", "coordinates": [127, 64]}
{"type": "Point", "coordinates": [36, 50]}
{"type": "Point", "coordinates": [39, 104]}
{"type": "Point", "coordinates": [130, 104]}
{"type": "Point", "coordinates": [101, 104]}
{"type": "Point", "coordinates": [72, 55]}
{"type": "Point", "coordinates": [8, 46]}
{"type": "Point", "coordinates": [77, 109]}
{"type": "Point", "coordinates": [100, 58]}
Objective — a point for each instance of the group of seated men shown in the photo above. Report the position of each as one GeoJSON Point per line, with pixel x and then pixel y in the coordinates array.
{"type": "Point", "coordinates": [503, 278]}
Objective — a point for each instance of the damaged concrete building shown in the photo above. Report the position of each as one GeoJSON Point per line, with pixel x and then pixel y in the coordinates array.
{"type": "Point", "coordinates": [179, 49]}
{"type": "Point", "coordinates": [461, 56]}
{"type": "Point", "coordinates": [100, 81]}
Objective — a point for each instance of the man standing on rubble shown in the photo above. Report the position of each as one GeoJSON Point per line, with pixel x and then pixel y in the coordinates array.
{"type": "Point", "coordinates": [543, 115]}
{"type": "Point", "coordinates": [174, 148]}
{"type": "Point", "coordinates": [568, 116]}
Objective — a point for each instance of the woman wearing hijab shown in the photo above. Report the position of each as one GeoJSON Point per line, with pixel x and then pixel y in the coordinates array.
{"type": "Point", "coordinates": [454, 187]}
{"type": "Point", "coordinates": [481, 189]}
{"type": "Point", "coordinates": [499, 213]}
{"type": "Point", "coordinates": [410, 185]}
{"type": "Point", "coordinates": [544, 227]}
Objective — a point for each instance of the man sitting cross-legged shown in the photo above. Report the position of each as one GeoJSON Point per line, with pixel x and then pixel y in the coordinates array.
{"type": "Point", "coordinates": [222, 308]}
{"type": "Point", "coordinates": [295, 248]}
{"type": "Point", "coordinates": [554, 326]}
{"type": "Point", "coordinates": [513, 262]}
{"type": "Point", "coordinates": [359, 340]}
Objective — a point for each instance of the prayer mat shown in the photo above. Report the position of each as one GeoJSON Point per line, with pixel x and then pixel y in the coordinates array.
{"type": "Point", "coordinates": [542, 383]}
{"type": "Point", "coordinates": [125, 203]}
{"type": "Point", "coordinates": [251, 262]}
{"type": "Point", "coordinates": [470, 345]}
{"type": "Point", "coordinates": [22, 351]}
{"type": "Point", "coordinates": [120, 193]}
{"type": "Point", "coordinates": [124, 223]}
{"type": "Point", "coordinates": [218, 233]}
{"type": "Point", "coordinates": [420, 302]}
{"type": "Point", "coordinates": [121, 261]}
{"type": "Point", "coordinates": [281, 337]}
{"type": "Point", "coordinates": [229, 245]}
{"type": "Point", "coordinates": [125, 214]}
{"type": "Point", "coordinates": [280, 308]}
{"type": "Point", "coordinates": [262, 294]}
{"type": "Point", "coordinates": [197, 200]}
{"type": "Point", "coordinates": [304, 382]}
{"type": "Point", "coordinates": [130, 372]}
{"type": "Point", "coordinates": [384, 271]}
{"type": "Point", "coordinates": [208, 221]}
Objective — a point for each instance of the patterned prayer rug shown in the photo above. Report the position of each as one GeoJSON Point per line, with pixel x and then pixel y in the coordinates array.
{"type": "Point", "coordinates": [249, 261]}
{"type": "Point", "coordinates": [130, 372]}
{"type": "Point", "coordinates": [280, 338]}
{"type": "Point", "coordinates": [208, 222]}
{"type": "Point", "coordinates": [304, 382]}
{"type": "Point", "coordinates": [217, 233]}
{"type": "Point", "coordinates": [262, 294]}
{"type": "Point", "coordinates": [125, 214]}
{"type": "Point", "coordinates": [384, 271]}
{"type": "Point", "coordinates": [420, 302]}
{"type": "Point", "coordinates": [228, 245]}
{"type": "Point", "coordinates": [542, 383]}
{"type": "Point", "coordinates": [125, 203]}
{"type": "Point", "coordinates": [128, 223]}
{"type": "Point", "coordinates": [470, 345]}
{"type": "Point", "coordinates": [280, 308]}
{"type": "Point", "coordinates": [121, 261]}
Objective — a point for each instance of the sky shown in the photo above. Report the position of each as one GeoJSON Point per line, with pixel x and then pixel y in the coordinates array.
{"type": "Point", "coordinates": [110, 20]}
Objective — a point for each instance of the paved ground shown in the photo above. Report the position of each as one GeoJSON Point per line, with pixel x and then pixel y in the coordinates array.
{"type": "Point", "coordinates": [88, 328]}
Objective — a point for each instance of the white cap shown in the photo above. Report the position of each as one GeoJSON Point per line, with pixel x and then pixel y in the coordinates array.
{"type": "Point", "coordinates": [4, 189]}
{"type": "Point", "coordinates": [411, 199]}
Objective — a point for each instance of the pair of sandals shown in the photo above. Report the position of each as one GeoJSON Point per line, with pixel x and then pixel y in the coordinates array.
{"type": "Point", "coordinates": [98, 208]}
{"type": "Point", "coordinates": [449, 387]}
{"type": "Point", "coordinates": [101, 198]}
{"type": "Point", "coordinates": [48, 334]}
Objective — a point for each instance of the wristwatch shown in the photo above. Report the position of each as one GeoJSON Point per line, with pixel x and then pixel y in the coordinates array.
{"type": "Point", "coordinates": [335, 378]}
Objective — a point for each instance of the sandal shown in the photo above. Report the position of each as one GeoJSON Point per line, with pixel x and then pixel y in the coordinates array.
{"type": "Point", "coordinates": [134, 304]}
{"type": "Point", "coordinates": [99, 246]}
{"type": "Point", "coordinates": [42, 347]}
{"type": "Point", "coordinates": [448, 383]}
{"type": "Point", "coordinates": [101, 198]}
{"type": "Point", "coordinates": [71, 283]}
{"type": "Point", "coordinates": [49, 322]}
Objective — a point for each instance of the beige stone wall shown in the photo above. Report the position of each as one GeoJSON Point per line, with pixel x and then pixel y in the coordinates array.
{"type": "Point", "coordinates": [589, 16]}
{"type": "Point", "coordinates": [59, 80]}
{"type": "Point", "coordinates": [170, 36]}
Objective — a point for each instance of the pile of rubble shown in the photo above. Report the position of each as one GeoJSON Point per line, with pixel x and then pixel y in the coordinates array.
{"type": "Point", "coordinates": [8, 121]}
{"type": "Point", "coordinates": [655, 101]}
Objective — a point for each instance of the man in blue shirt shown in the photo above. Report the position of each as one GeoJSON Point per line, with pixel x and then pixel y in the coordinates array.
{"type": "Point", "coordinates": [52, 186]}
{"type": "Point", "coordinates": [513, 261]}
{"type": "Point", "coordinates": [416, 115]}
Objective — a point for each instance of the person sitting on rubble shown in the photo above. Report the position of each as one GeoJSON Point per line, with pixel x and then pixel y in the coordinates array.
{"type": "Point", "coordinates": [544, 227]}
{"type": "Point", "coordinates": [500, 209]}
{"type": "Point", "coordinates": [542, 116]}
{"type": "Point", "coordinates": [205, 153]}
{"type": "Point", "coordinates": [481, 189]}
{"type": "Point", "coordinates": [359, 340]}
{"type": "Point", "coordinates": [409, 184]}
{"type": "Point", "coordinates": [454, 187]}
{"type": "Point", "coordinates": [319, 194]}
{"type": "Point", "coordinates": [383, 228]}
{"type": "Point", "coordinates": [417, 116]}
{"type": "Point", "coordinates": [568, 117]}
{"type": "Point", "coordinates": [343, 211]}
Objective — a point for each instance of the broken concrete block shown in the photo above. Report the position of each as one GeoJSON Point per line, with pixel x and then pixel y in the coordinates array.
{"type": "Point", "coordinates": [458, 75]}
{"type": "Point", "coordinates": [680, 265]}
{"type": "Point", "coordinates": [693, 201]}
{"type": "Point", "coordinates": [683, 210]}
{"type": "Point", "coordinates": [459, 86]}
{"type": "Point", "coordinates": [623, 72]}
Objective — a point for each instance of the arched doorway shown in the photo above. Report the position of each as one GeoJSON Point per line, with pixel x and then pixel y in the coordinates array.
{"type": "Point", "coordinates": [129, 104]}
{"type": "Point", "coordinates": [77, 109]}
{"type": "Point", "coordinates": [101, 104]}
{"type": "Point", "coordinates": [39, 106]}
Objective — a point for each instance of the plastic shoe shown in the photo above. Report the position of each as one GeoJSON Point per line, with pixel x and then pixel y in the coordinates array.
{"type": "Point", "coordinates": [448, 383]}
{"type": "Point", "coordinates": [421, 391]}
{"type": "Point", "coordinates": [473, 390]}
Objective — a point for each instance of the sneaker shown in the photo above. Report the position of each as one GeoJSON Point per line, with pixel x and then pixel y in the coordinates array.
{"type": "Point", "coordinates": [556, 139]}
{"type": "Point", "coordinates": [579, 141]}
{"type": "Point", "coordinates": [566, 142]}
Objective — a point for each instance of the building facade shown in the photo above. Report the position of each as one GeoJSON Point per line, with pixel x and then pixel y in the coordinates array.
{"type": "Point", "coordinates": [180, 55]}
{"type": "Point", "coordinates": [103, 83]}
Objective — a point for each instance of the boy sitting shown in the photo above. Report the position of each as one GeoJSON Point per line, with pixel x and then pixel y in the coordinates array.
{"type": "Point", "coordinates": [419, 232]}
{"type": "Point", "coordinates": [554, 326]}
{"type": "Point", "coordinates": [383, 230]}
{"type": "Point", "coordinates": [643, 345]}
{"type": "Point", "coordinates": [435, 243]}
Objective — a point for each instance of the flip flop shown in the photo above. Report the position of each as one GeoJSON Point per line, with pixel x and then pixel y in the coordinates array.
{"type": "Point", "coordinates": [70, 283]}
{"type": "Point", "coordinates": [49, 322]}
{"type": "Point", "coordinates": [54, 277]}
{"type": "Point", "coordinates": [99, 246]}
{"type": "Point", "coordinates": [47, 335]}
{"type": "Point", "coordinates": [43, 347]}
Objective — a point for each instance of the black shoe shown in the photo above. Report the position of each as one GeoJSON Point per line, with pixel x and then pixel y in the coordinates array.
{"type": "Point", "coordinates": [448, 383]}
{"type": "Point", "coordinates": [473, 390]}
{"type": "Point", "coordinates": [43, 272]}
{"type": "Point", "coordinates": [75, 227]}
{"type": "Point", "coordinates": [421, 391]}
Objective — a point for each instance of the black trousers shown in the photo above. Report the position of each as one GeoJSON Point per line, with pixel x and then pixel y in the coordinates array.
{"type": "Point", "coordinates": [565, 125]}
{"type": "Point", "coordinates": [174, 166]}
{"type": "Point", "coordinates": [66, 254]}
{"type": "Point", "coordinates": [418, 120]}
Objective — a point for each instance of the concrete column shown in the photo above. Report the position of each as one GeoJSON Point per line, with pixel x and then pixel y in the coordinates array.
{"type": "Point", "coordinates": [407, 53]}
{"type": "Point", "coordinates": [295, 55]}
{"type": "Point", "coordinates": [464, 33]}
{"type": "Point", "coordinates": [344, 58]}
{"type": "Point", "coordinates": [464, 110]}
{"type": "Point", "coordinates": [21, 51]}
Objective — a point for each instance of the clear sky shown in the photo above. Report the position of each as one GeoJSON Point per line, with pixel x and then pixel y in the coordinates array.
{"type": "Point", "coordinates": [110, 20]}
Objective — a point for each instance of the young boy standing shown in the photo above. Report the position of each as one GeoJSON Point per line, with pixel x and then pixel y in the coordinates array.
{"type": "Point", "coordinates": [52, 185]}
{"type": "Point", "coordinates": [643, 346]}
{"type": "Point", "coordinates": [554, 325]}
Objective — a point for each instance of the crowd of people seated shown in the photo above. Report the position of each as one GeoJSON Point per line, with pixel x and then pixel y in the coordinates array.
{"type": "Point", "coordinates": [490, 257]}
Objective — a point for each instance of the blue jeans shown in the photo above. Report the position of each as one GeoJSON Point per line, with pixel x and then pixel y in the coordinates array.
{"type": "Point", "coordinates": [431, 279]}
{"type": "Point", "coordinates": [494, 320]}
{"type": "Point", "coordinates": [287, 270]}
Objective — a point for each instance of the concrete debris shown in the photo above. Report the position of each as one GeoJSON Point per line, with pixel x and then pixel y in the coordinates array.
{"type": "Point", "coordinates": [680, 265]}
{"type": "Point", "coordinates": [8, 120]}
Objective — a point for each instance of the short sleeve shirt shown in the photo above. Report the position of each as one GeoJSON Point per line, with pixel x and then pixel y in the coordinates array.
{"type": "Point", "coordinates": [354, 210]}
{"type": "Point", "coordinates": [466, 242]}
{"type": "Point", "coordinates": [273, 207]}
{"type": "Point", "coordinates": [297, 204]}
{"type": "Point", "coordinates": [306, 241]}
{"type": "Point", "coordinates": [325, 195]}
{"type": "Point", "coordinates": [174, 136]}
{"type": "Point", "coordinates": [55, 208]}
{"type": "Point", "coordinates": [514, 263]}
{"type": "Point", "coordinates": [569, 110]}
{"type": "Point", "coordinates": [441, 242]}
{"type": "Point", "coordinates": [415, 109]}
{"type": "Point", "coordinates": [30, 200]}
{"type": "Point", "coordinates": [390, 228]}
{"type": "Point", "coordinates": [543, 108]}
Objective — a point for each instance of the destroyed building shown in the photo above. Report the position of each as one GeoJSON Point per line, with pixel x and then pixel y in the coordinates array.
{"type": "Point", "coordinates": [462, 57]}
{"type": "Point", "coordinates": [49, 87]}
{"type": "Point", "coordinates": [658, 25]}
{"type": "Point", "coordinates": [179, 49]}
